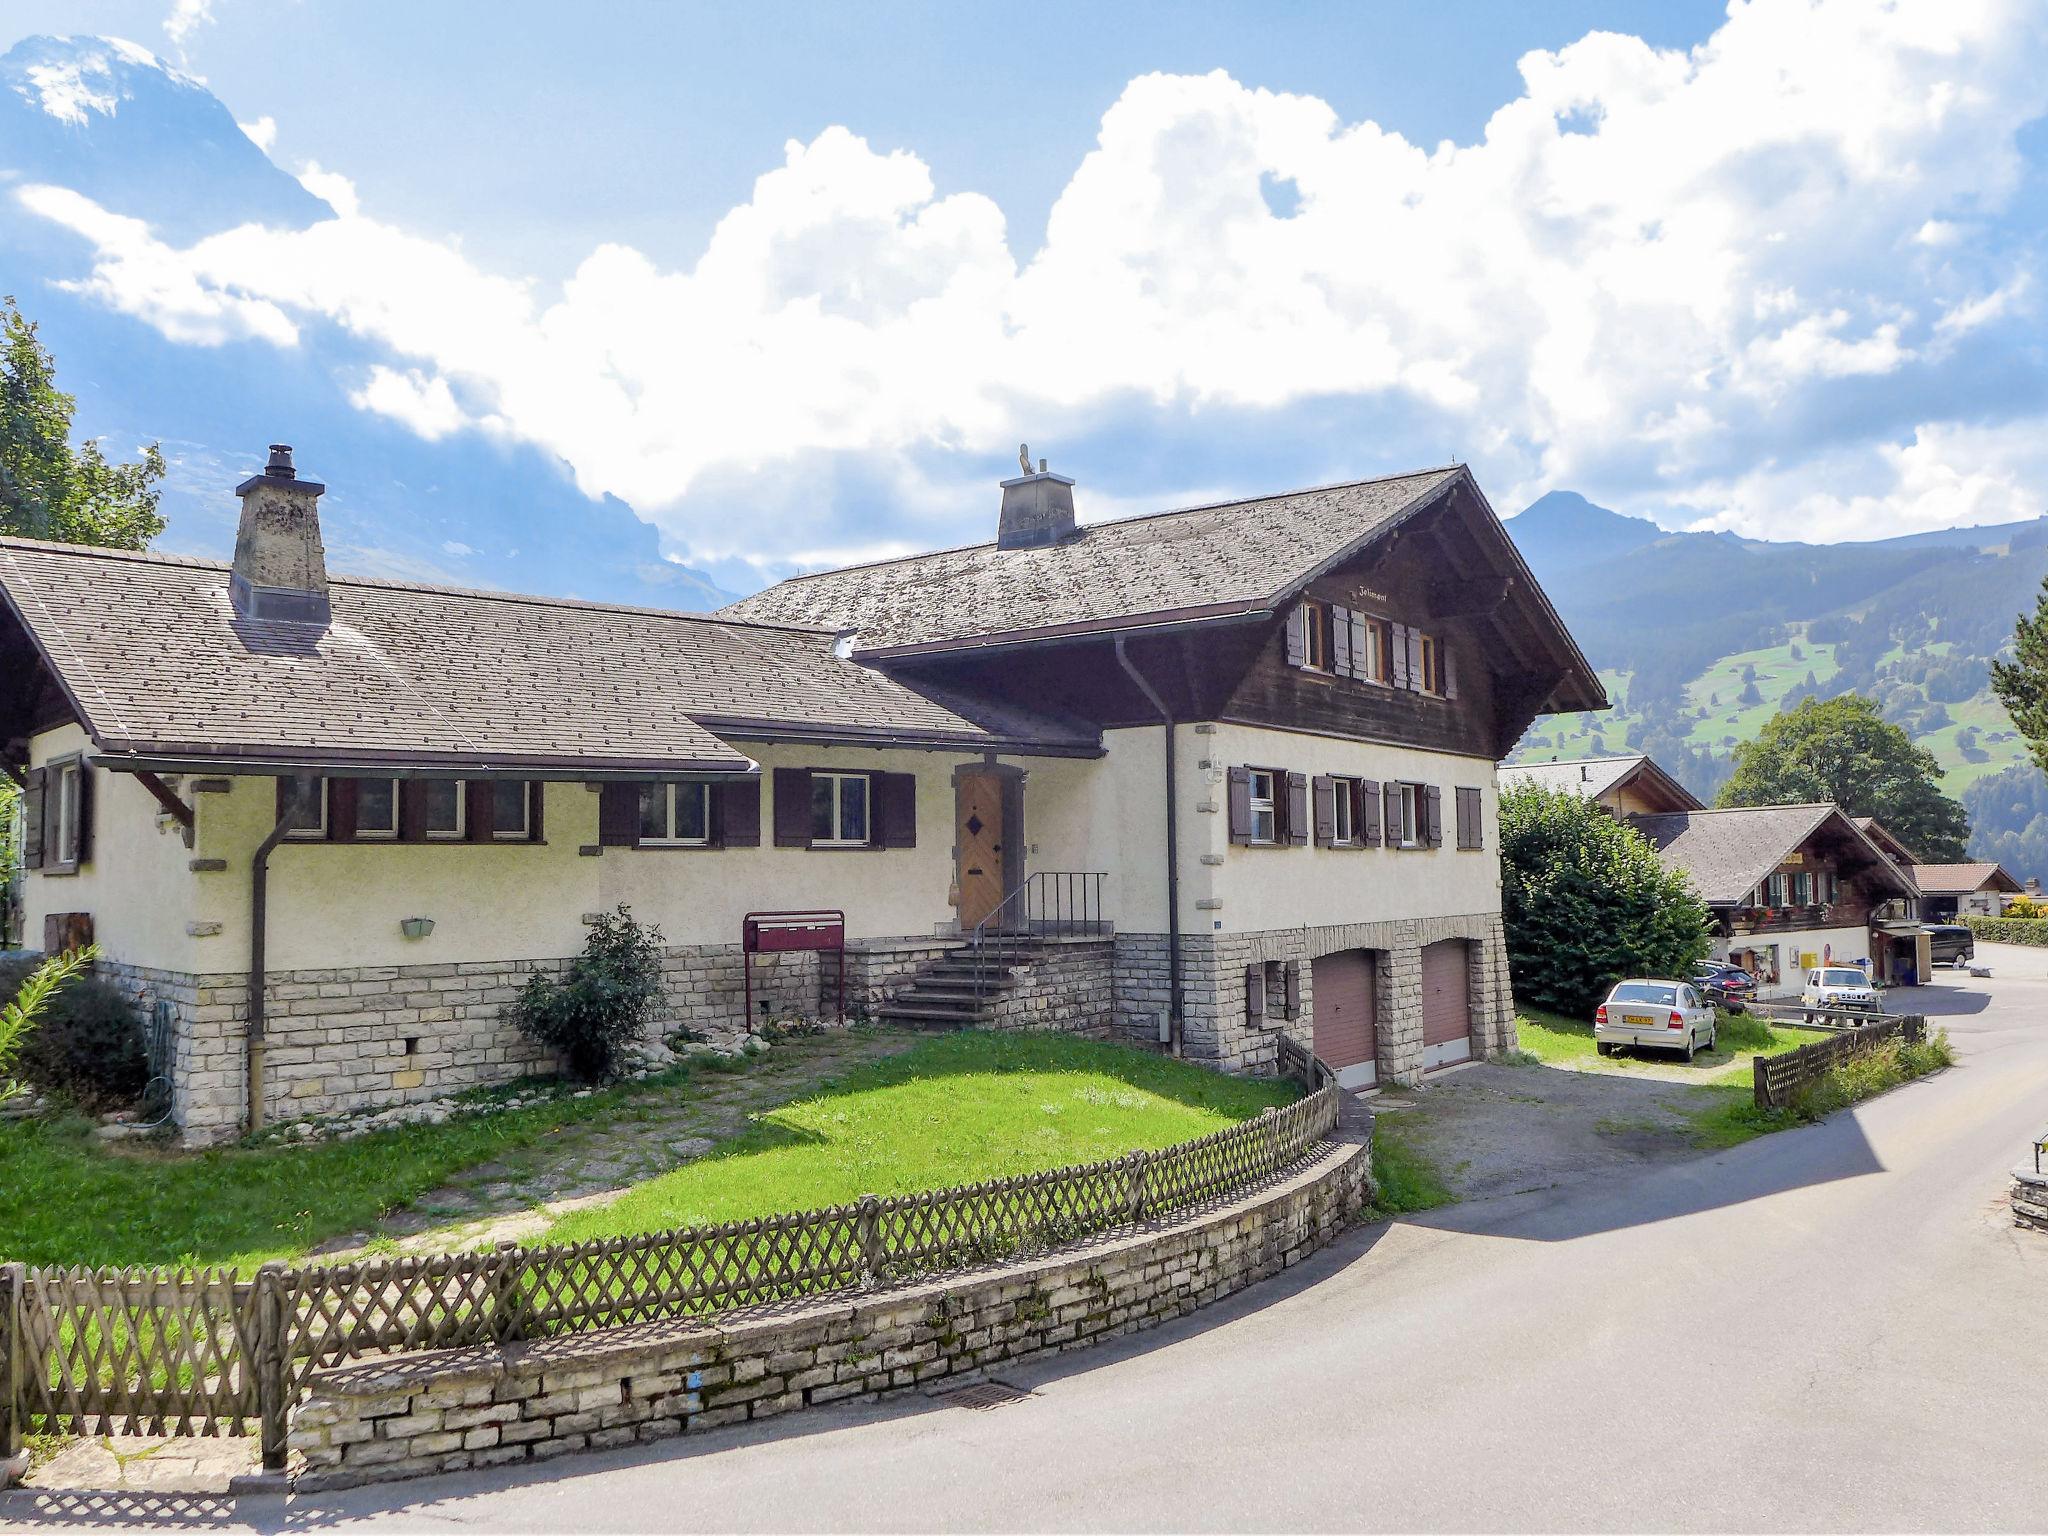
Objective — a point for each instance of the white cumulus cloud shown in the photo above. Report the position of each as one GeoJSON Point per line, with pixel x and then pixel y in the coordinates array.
{"type": "Point", "coordinates": [262, 133]}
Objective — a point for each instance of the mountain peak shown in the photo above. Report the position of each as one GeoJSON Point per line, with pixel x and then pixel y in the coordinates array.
{"type": "Point", "coordinates": [74, 79]}
{"type": "Point", "coordinates": [1564, 521]}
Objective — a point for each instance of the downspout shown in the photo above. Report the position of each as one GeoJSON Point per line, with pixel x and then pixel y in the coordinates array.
{"type": "Point", "coordinates": [259, 911]}
{"type": "Point", "coordinates": [1173, 985]}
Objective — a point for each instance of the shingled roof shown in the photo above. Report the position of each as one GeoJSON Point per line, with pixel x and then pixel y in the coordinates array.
{"type": "Point", "coordinates": [158, 666]}
{"type": "Point", "coordinates": [1593, 777]}
{"type": "Point", "coordinates": [1729, 852]}
{"type": "Point", "coordinates": [1963, 879]}
{"type": "Point", "coordinates": [1199, 562]}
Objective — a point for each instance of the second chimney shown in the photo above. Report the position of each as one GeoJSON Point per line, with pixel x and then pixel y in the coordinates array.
{"type": "Point", "coordinates": [280, 569]}
{"type": "Point", "coordinates": [1037, 509]}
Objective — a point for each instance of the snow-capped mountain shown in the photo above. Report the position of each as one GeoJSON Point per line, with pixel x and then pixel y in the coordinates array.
{"type": "Point", "coordinates": [108, 120]}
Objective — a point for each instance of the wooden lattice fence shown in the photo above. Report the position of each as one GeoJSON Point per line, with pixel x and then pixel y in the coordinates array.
{"type": "Point", "coordinates": [204, 1352]}
{"type": "Point", "coordinates": [1778, 1078]}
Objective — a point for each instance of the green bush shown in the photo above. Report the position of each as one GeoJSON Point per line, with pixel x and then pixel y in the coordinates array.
{"type": "Point", "coordinates": [1585, 902]}
{"type": "Point", "coordinates": [2009, 930]}
{"type": "Point", "coordinates": [1871, 1073]}
{"type": "Point", "coordinates": [601, 1004]}
{"type": "Point", "coordinates": [88, 1043]}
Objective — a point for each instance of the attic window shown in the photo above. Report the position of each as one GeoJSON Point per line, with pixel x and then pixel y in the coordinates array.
{"type": "Point", "coordinates": [1318, 640]}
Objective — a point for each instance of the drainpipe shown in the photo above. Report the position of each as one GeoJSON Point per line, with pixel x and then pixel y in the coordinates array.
{"type": "Point", "coordinates": [259, 909]}
{"type": "Point", "coordinates": [1173, 992]}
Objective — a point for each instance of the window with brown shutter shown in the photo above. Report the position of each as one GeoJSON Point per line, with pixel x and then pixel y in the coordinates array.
{"type": "Point", "coordinates": [1397, 655]}
{"type": "Point", "coordinates": [1470, 805]}
{"type": "Point", "coordinates": [32, 817]}
{"type": "Point", "coordinates": [1433, 816]}
{"type": "Point", "coordinates": [1368, 813]}
{"type": "Point", "coordinates": [1255, 992]}
{"type": "Point", "coordinates": [64, 821]}
{"type": "Point", "coordinates": [1318, 635]}
{"type": "Point", "coordinates": [1240, 800]}
{"type": "Point", "coordinates": [618, 815]}
{"type": "Point", "coordinates": [792, 807]}
{"type": "Point", "coordinates": [1297, 827]}
{"type": "Point", "coordinates": [1326, 811]}
{"type": "Point", "coordinates": [895, 799]}
{"type": "Point", "coordinates": [736, 810]}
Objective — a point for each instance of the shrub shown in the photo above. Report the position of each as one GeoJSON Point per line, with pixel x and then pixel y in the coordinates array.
{"type": "Point", "coordinates": [601, 1004]}
{"type": "Point", "coordinates": [88, 1042]}
{"type": "Point", "coordinates": [2025, 907]}
{"type": "Point", "coordinates": [1585, 902]}
{"type": "Point", "coordinates": [2009, 930]}
{"type": "Point", "coordinates": [1870, 1073]}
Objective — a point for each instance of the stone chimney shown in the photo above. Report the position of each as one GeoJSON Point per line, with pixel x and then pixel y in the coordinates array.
{"type": "Point", "coordinates": [1038, 507]}
{"type": "Point", "coordinates": [280, 569]}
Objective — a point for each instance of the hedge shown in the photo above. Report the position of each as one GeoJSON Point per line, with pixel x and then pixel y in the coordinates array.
{"type": "Point", "coordinates": [2008, 930]}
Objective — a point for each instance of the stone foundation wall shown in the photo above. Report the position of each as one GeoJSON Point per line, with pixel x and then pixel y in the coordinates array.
{"type": "Point", "coordinates": [2030, 1199]}
{"type": "Point", "coordinates": [1070, 986]}
{"type": "Point", "coordinates": [457, 1409]}
{"type": "Point", "coordinates": [1217, 1028]}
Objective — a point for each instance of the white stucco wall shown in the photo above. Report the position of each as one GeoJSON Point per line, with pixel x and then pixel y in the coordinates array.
{"type": "Point", "coordinates": [1263, 888]}
{"type": "Point", "coordinates": [1848, 946]}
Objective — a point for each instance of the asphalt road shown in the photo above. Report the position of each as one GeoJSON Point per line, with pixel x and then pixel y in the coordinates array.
{"type": "Point", "coordinates": [1835, 1327]}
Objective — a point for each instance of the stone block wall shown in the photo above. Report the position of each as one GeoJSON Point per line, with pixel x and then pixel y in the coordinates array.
{"type": "Point", "coordinates": [1217, 1028]}
{"type": "Point", "coordinates": [1070, 986]}
{"type": "Point", "coordinates": [456, 1409]}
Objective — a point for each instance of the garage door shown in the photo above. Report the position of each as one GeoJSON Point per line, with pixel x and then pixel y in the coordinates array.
{"type": "Point", "coordinates": [1446, 1004]}
{"type": "Point", "coordinates": [1343, 1024]}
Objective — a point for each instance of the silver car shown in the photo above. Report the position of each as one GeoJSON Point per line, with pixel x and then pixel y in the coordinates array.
{"type": "Point", "coordinates": [1664, 1015]}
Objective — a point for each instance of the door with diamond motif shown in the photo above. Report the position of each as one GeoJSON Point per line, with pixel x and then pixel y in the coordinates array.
{"type": "Point", "coordinates": [978, 841]}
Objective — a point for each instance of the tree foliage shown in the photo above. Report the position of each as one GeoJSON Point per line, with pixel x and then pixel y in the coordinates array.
{"type": "Point", "coordinates": [1842, 749]}
{"type": "Point", "coordinates": [26, 1005]}
{"type": "Point", "coordinates": [2022, 683]}
{"type": "Point", "coordinates": [48, 489]}
{"type": "Point", "coordinates": [1586, 902]}
{"type": "Point", "coordinates": [602, 1003]}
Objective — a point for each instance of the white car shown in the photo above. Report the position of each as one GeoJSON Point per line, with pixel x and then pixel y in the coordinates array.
{"type": "Point", "coordinates": [1842, 988]}
{"type": "Point", "coordinates": [1665, 1015]}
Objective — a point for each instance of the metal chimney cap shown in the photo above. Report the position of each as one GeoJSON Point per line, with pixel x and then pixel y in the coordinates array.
{"type": "Point", "coordinates": [280, 465]}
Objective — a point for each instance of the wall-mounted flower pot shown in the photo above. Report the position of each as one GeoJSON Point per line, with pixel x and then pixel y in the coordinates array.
{"type": "Point", "coordinates": [415, 927]}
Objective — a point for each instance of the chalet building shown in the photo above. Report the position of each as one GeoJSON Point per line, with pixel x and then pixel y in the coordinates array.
{"type": "Point", "coordinates": [1948, 891]}
{"type": "Point", "coordinates": [1200, 778]}
{"type": "Point", "coordinates": [1628, 786]}
{"type": "Point", "coordinates": [1791, 887]}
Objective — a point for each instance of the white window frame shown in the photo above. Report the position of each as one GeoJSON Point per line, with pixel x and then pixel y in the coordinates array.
{"type": "Point", "coordinates": [1318, 631]}
{"type": "Point", "coordinates": [1263, 805]}
{"type": "Point", "coordinates": [318, 831]}
{"type": "Point", "coordinates": [1432, 658]}
{"type": "Point", "coordinates": [70, 778]}
{"type": "Point", "coordinates": [524, 831]}
{"type": "Point", "coordinates": [838, 805]}
{"type": "Point", "coordinates": [365, 834]}
{"type": "Point", "coordinates": [1374, 665]}
{"type": "Point", "coordinates": [1344, 812]}
{"type": "Point", "coordinates": [670, 820]}
{"type": "Point", "coordinates": [443, 835]}
{"type": "Point", "coordinates": [1411, 815]}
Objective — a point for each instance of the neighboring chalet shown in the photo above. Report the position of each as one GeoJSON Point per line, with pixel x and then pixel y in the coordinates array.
{"type": "Point", "coordinates": [1627, 786]}
{"type": "Point", "coordinates": [1197, 778]}
{"type": "Point", "coordinates": [1947, 891]}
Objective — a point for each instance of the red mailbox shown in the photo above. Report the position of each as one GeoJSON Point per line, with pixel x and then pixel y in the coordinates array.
{"type": "Point", "coordinates": [779, 933]}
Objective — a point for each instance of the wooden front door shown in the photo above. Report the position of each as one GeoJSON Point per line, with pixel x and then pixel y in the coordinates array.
{"type": "Point", "coordinates": [978, 838]}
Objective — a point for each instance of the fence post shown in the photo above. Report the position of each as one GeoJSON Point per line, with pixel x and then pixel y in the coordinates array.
{"type": "Point", "coordinates": [1760, 1079]}
{"type": "Point", "coordinates": [1139, 1162]}
{"type": "Point", "coordinates": [508, 1308]}
{"type": "Point", "coordinates": [269, 1364]}
{"type": "Point", "coordinates": [867, 1228]}
{"type": "Point", "coordinates": [13, 1366]}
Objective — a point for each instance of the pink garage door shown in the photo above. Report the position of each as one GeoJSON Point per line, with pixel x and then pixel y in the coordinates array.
{"type": "Point", "coordinates": [1343, 1026]}
{"type": "Point", "coordinates": [1446, 1004]}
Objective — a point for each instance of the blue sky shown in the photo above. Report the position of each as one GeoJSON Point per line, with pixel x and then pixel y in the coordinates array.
{"type": "Point", "coordinates": [792, 281]}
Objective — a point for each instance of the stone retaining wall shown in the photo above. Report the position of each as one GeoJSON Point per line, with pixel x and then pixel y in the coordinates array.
{"type": "Point", "coordinates": [2030, 1199]}
{"type": "Point", "coordinates": [1070, 986]}
{"type": "Point", "coordinates": [455, 1409]}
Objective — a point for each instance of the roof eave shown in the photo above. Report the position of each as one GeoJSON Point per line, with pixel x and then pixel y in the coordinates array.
{"type": "Point", "coordinates": [1160, 621]}
{"type": "Point", "coordinates": [276, 764]}
{"type": "Point", "coordinates": [782, 731]}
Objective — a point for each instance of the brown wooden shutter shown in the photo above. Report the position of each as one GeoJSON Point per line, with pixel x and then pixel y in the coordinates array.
{"type": "Point", "coordinates": [479, 810]}
{"type": "Point", "coordinates": [1340, 641]}
{"type": "Point", "coordinates": [1397, 654]}
{"type": "Point", "coordinates": [1361, 658]}
{"type": "Point", "coordinates": [736, 810]}
{"type": "Point", "coordinates": [1255, 992]}
{"type": "Point", "coordinates": [1432, 815]}
{"type": "Point", "coordinates": [412, 810]}
{"type": "Point", "coordinates": [1390, 795]}
{"type": "Point", "coordinates": [536, 801]}
{"type": "Point", "coordinates": [1368, 818]}
{"type": "Point", "coordinates": [895, 810]}
{"type": "Point", "coordinates": [1297, 808]}
{"type": "Point", "coordinates": [1416, 680]}
{"type": "Point", "coordinates": [1292, 974]}
{"type": "Point", "coordinates": [341, 810]}
{"type": "Point", "coordinates": [32, 820]}
{"type": "Point", "coordinates": [1446, 666]}
{"type": "Point", "coordinates": [84, 852]}
{"type": "Point", "coordinates": [1326, 810]}
{"type": "Point", "coordinates": [1240, 805]}
{"type": "Point", "coordinates": [1297, 635]}
{"type": "Point", "coordinates": [792, 807]}
{"type": "Point", "coordinates": [618, 815]}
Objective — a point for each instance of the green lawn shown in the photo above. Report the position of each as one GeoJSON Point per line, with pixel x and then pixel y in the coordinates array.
{"type": "Point", "coordinates": [1557, 1041]}
{"type": "Point", "coordinates": [1718, 690]}
{"type": "Point", "coordinates": [953, 1110]}
{"type": "Point", "coordinates": [949, 1110]}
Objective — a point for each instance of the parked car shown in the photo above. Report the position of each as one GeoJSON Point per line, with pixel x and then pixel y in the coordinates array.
{"type": "Point", "coordinates": [1951, 942]}
{"type": "Point", "coordinates": [1664, 1015]}
{"type": "Point", "coordinates": [1841, 988]}
{"type": "Point", "coordinates": [1726, 986]}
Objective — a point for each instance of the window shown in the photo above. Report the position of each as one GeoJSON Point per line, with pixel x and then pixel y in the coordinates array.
{"type": "Point", "coordinates": [376, 809]}
{"type": "Point", "coordinates": [1319, 646]}
{"type": "Point", "coordinates": [1373, 661]}
{"type": "Point", "coordinates": [442, 809]}
{"type": "Point", "coordinates": [69, 779]}
{"type": "Point", "coordinates": [676, 814]}
{"type": "Point", "coordinates": [1410, 829]}
{"type": "Point", "coordinates": [511, 810]}
{"type": "Point", "coordinates": [1432, 679]}
{"type": "Point", "coordinates": [1471, 810]}
{"type": "Point", "coordinates": [1265, 824]}
{"type": "Point", "coordinates": [839, 810]}
{"type": "Point", "coordinates": [1344, 804]}
{"type": "Point", "coordinates": [311, 817]}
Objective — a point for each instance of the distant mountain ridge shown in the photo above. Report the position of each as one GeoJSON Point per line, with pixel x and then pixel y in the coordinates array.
{"type": "Point", "coordinates": [109, 120]}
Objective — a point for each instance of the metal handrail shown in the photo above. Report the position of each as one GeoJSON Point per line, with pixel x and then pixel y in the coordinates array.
{"type": "Point", "coordinates": [1049, 904]}
{"type": "Point", "coordinates": [2040, 1148]}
